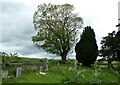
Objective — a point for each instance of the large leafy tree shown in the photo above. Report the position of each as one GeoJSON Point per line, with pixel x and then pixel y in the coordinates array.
{"type": "Point", "coordinates": [57, 27]}
{"type": "Point", "coordinates": [86, 49]}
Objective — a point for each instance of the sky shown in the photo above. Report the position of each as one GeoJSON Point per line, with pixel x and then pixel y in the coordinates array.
{"type": "Point", "coordinates": [16, 27]}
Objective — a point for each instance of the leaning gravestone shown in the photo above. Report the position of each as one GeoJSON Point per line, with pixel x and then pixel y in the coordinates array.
{"type": "Point", "coordinates": [18, 71]}
{"type": "Point", "coordinates": [4, 74]}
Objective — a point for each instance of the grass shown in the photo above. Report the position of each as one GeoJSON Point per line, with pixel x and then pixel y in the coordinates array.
{"type": "Point", "coordinates": [0, 77]}
{"type": "Point", "coordinates": [33, 78]}
{"type": "Point", "coordinates": [64, 73]}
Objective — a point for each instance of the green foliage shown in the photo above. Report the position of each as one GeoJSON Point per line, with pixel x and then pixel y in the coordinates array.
{"type": "Point", "coordinates": [117, 37]}
{"type": "Point", "coordinates": [110, 47]}
{"type": "Point", "coordinates": [57, 27]}
{"type": "Point", "coordinates": [86, 49]}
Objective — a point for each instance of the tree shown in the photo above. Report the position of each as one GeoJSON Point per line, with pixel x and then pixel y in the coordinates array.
{"type": "Point", "coordinates": [117, 37]}
{"type": "Point", "coordinates": [108, 48]}
{"type": "Point", "coordinates": [86, 49]}
{"type": "Point", "coordinates": [118, 41]}
{"type": "Point", "coordinates": [118, 25]}
{"type": "Point", "coordinates": [57, 27]}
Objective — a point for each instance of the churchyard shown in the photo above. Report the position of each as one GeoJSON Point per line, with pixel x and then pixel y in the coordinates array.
{"type": "Point", "coordinates": [53, 71]}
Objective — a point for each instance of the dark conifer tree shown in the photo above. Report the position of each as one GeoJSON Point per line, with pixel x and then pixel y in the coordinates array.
{"type": "Point", "coordinates": [86, 49]}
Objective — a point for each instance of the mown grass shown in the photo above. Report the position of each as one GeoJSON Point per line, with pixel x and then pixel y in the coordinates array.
{"type": "Point", "coordinates": [64, 73]}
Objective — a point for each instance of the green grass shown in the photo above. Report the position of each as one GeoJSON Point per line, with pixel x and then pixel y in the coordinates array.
{"type": "Point", "coordinates": [63, 74]}
{"type": "Point", "coordinates": [34, 78]}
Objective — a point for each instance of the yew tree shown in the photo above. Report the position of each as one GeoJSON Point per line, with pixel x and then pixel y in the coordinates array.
{"type": "Point", "coordinates": [86, 49]}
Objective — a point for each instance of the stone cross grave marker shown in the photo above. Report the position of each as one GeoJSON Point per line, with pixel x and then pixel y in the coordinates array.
{"type": "Point", "coordinates": [18, 71]}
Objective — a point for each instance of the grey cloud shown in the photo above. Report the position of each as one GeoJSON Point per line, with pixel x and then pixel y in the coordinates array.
{"type": "Point", "coordinates": [17, 30]}
{"type": "Point", "coordinates": [12, 7]}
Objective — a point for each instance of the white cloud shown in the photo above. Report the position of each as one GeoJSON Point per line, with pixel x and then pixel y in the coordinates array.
{"type": "Point", "coordinates": [101, 15]}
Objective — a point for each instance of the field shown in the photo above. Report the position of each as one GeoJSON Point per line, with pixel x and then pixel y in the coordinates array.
{"type": "Point", "coordinates": [65, 73]}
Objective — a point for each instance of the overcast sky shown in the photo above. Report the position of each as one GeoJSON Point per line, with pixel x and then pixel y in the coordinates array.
{"type": "Point", "coordinates": [16, 27]}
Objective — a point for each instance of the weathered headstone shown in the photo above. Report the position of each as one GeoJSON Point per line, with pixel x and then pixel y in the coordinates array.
{"type": "Point", "coordinates": [18, 71]}
{"type": "Point", "coordinates": [4, 74]}
{"type": "Point", "coordinates": [58, 64]}
{"type": "Point", "coordinates": [47, 65]}
{"type": "Point", "coordinates": [94, 72]}
{"type": "Point", "coordinates": [95, 68]}
{"type": "Point", "coordinates": [41, 71]}
{"type": "Point", "coordinates": [75, 67]}
{"type": "Point", "coordinates": [41, 68]}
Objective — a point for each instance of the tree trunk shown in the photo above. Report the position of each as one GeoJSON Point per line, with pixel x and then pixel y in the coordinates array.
{"type": "Point", "coordinates": [110, 66]}
{"type": "Point", "coordinates": [63, 58]}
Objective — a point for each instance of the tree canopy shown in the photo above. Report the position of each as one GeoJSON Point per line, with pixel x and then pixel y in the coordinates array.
{"type": "Point", "coordinates": [117, 37]}
{"type": "Point", "coordinates": [57, 27]}
{"type": "Point", "coordinates": [110, 47]}
{"type": "Point", "coordinates": [86, 49]}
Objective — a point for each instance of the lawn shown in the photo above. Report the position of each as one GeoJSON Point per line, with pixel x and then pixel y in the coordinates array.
{"type": "Point", "coordinates": [64, 73]}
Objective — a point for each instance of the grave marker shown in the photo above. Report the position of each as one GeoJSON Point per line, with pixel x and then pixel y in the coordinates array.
{"type": "Point", "coordinates": [47, 65]}
{"type": "Point", "coordinates": [58, 64]}
{"type": "Point", "coordinates": [18, 71]}
{"type": "Point", "coordinates": [75, 67]}
{"type": "Point", "coordinates": [41, 68]}
{"type": "Point", "coordinates": [4, 74]}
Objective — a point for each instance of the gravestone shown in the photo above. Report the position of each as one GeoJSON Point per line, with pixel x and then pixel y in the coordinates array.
{"type": "Point", "coordinates": [41, 68]}
{"type": "Point", "coordinates": [94, 72]}
{"type": "Point", "coordinates": [58, 64]}
{"type": "Point", "coordinates": [18, 71]}
{"type": "Point", "coordinates": [4, 74]}
{"type": "Point", "coordinates": [75, 67]}
{"type": "Point", "coordinates": [47, 65]}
